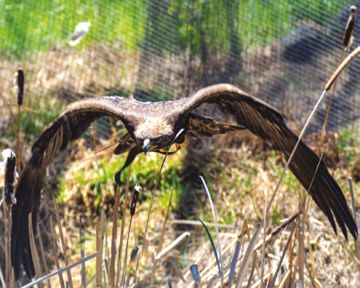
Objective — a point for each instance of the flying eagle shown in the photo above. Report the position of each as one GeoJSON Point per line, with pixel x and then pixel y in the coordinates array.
{"type": "Point", "coordinates": [152, 126]}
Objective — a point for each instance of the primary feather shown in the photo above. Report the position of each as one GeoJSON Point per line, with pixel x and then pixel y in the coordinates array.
{"type": "Point", "coordinates": [158, 123]}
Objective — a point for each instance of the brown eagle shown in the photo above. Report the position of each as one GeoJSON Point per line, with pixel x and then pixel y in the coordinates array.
{"type": "Point", "coordinates": [152, 126]}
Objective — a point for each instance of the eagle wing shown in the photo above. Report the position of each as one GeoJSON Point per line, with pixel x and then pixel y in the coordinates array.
{"type": "Point", "coordinates": [206, 126]}
{"type": "Point", "coordinates": [69, 126]}
{"type": "Point", "coordinates": [266, 122]}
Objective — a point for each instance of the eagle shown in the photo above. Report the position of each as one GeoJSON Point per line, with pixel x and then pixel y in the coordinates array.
{"type": "Point", "coordinates": [154, 127]}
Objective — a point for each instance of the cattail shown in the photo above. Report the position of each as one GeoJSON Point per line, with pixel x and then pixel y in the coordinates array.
{"type": "Point", "coordinates": [20, 82]}
{"type": "Point", "coordinates": [134, 199]}
{"type": "Point", "coordinates": [194, 269]}
{"type": "Point", "coordinates": [349, 28]}
{"type": "Point", "coordinates": [10, 161]}
{"type": "Point", "coordinates": [134, 253]}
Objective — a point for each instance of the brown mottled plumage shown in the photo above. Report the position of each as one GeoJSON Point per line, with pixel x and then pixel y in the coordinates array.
{"type": "Point", "coordinates": [156, 124]}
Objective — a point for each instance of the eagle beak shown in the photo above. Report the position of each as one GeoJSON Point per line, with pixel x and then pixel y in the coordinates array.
{"type": "Point", "coordinates": [146, 145]}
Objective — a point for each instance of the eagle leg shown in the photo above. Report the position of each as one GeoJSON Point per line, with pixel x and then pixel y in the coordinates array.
{"type": "Point", "coordinates": [165, 152]}
{"type": "Point", "coordinates": [130, 158]}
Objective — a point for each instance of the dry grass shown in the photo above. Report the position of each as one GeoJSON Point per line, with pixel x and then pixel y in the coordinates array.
{"type": "Point", "coordinates": [327, 261]}
{"type": "Point", "coordinates": [304, 251]}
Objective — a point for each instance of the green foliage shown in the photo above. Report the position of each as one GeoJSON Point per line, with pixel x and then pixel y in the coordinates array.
{"type": "Point", "coordinates": [155, 25]}
{"type": "Point", "coordinates": [276, 216]}
{"type": "Point", "coordinates": [289, 180]}
{"type": "Point", "coordinates": [253, 23]}
{"type": "Point", "coordinates": [28, 26]}
{"type": "Point", "coordinates": [98, 178]}
{"type": "Point", "coordinates": [32, 123]}
{"type": "Point", "coordinates": [229, 217]}
{"type": "Point", "coordinates": [348, 143]}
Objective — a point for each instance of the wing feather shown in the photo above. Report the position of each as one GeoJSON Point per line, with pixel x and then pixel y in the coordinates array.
{"type": "Point", "coordinates": [206, 126]}
{"type": "Point", "coordinates": [67, 127]}
{"type": "Point", "coordinates": [266, 122]}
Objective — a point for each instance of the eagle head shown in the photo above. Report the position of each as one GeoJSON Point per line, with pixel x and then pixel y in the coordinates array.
{"type": "Point", "coordinates": [154, 144]}
{"type": "Point", "coordinates": [154, 134]}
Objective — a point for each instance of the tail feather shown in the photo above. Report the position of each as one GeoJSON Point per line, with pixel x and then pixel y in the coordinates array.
{"type": "Point", "coordinates": [27, 201]}
{"type": "Point", "coordinates": [324, 190]}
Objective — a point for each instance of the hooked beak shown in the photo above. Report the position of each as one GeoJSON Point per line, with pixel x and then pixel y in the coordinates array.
{"type": "Point", "coordinates": [146, 145]}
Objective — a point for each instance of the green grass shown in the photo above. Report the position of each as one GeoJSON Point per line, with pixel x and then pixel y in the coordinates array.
{"type": "Point", "coordinates": [33, 26]}
{"type": "Point", "coordinates": [348, 143]}
{"type": "Point", "coordinates": [30, 26]}
{"type": "Point", "coordinates": [80, 181]}
{"type": "Point", "coordinates": [32, 123]}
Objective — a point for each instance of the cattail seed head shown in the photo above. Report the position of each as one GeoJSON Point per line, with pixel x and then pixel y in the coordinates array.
{"type": "Point", "coordinates": [134, 199]}
{"type": "Point", "coordinates": [348, 38]}
{"type": "Point", "coordinates": [194, 269]}
{"type": "Point", "coordinates": [134, 253]}
{"type": "Point", "coordinates": [20, 82]}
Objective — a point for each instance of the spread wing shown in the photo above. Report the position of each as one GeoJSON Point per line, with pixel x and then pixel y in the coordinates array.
{"type": "Point", "coordinates": [69, 126]}
{"type": "Point", "coordinates": [264, 121]}
{"type": "Point", "coordinates": [206, 126]}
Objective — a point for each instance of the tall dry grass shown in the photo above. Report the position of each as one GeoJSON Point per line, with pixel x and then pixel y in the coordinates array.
{"type": "Point", "coordinates": [253, 256]}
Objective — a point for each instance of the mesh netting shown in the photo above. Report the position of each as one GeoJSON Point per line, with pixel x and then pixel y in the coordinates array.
{"type": "Point", "coordinates": [282, 51]}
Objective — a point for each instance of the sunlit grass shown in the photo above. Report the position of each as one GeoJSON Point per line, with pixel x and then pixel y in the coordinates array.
{"type": "Point", "coordinates": [28, 26]}
{"type": "Point", "coordinates": [33, 120]}
{"type": "Point", "coordinates": [96, 177]}
{"type": "Point", "coordinates": [43, 25]}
